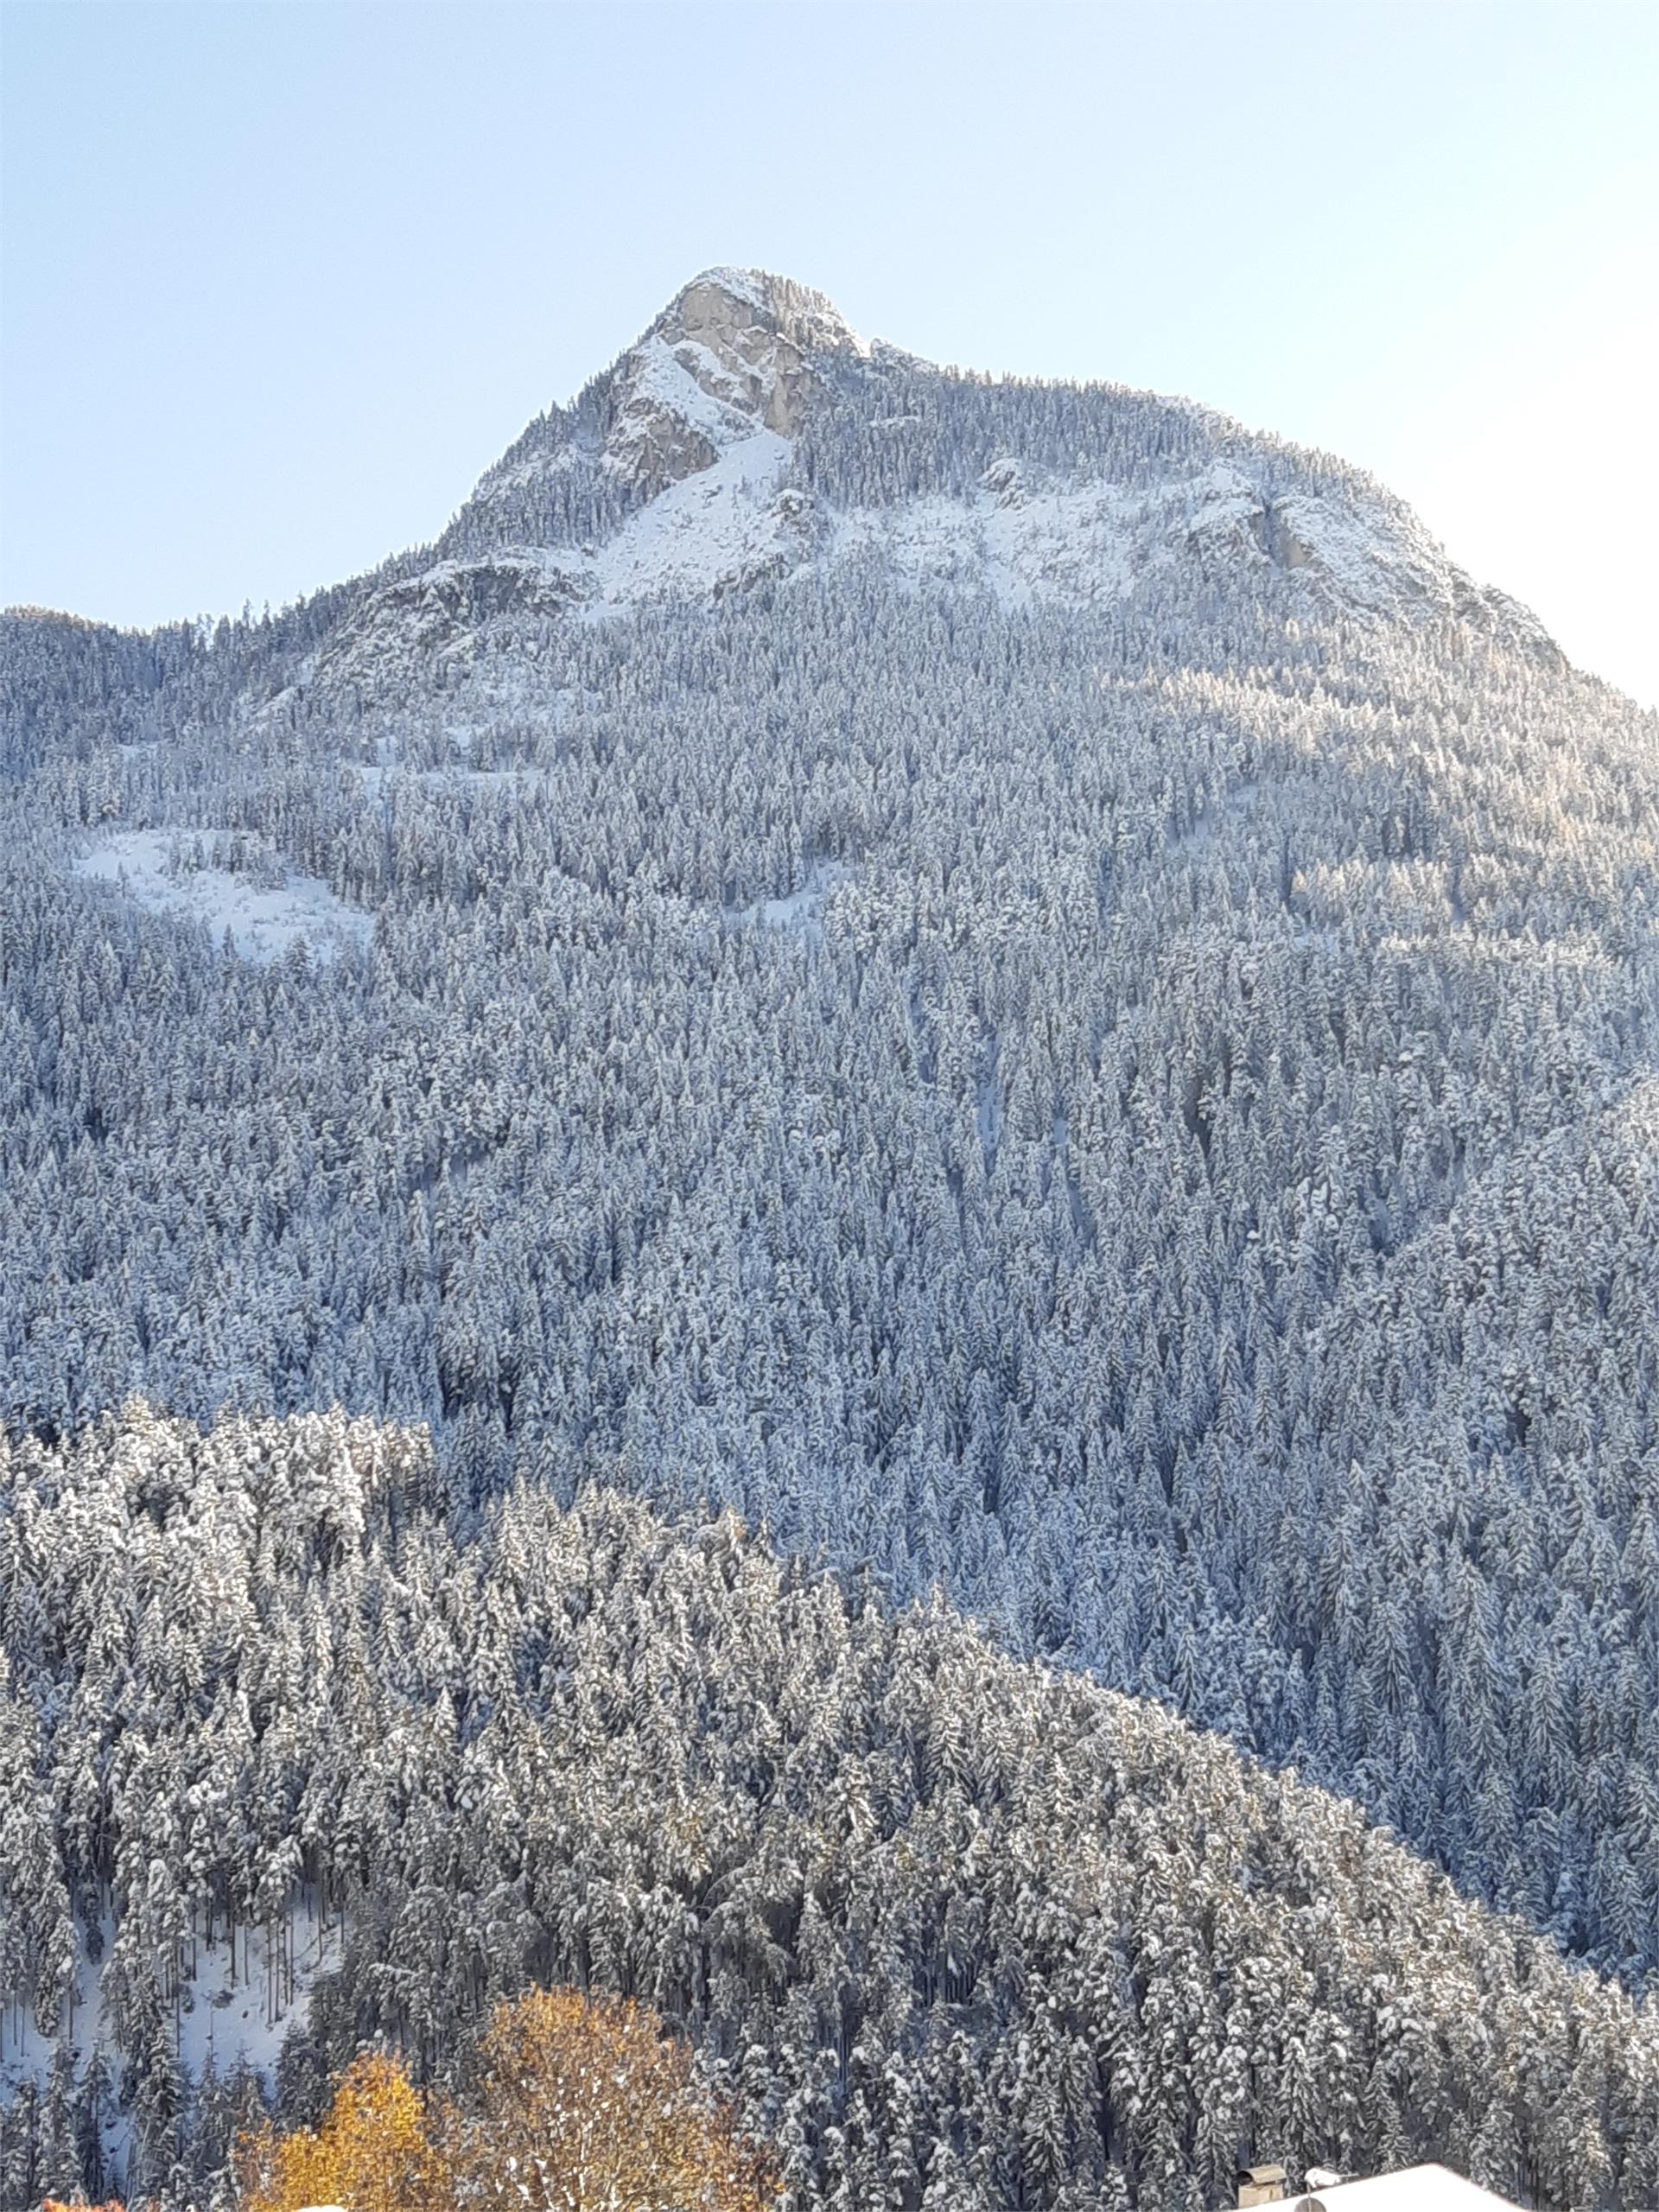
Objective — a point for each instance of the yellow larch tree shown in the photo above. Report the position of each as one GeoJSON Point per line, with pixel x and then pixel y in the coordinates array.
{"type": "Point", "coordinates": [374, 2152]}
{"type": "Point", "coordinates": [585, 2104]}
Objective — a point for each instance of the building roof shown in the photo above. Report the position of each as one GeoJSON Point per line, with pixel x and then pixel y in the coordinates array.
{"type": "Point", "coordinates": [1414, 2189]}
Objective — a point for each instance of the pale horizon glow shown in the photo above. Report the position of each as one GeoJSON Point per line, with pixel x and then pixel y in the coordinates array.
{"type": "Point", "coordinates": [281, 280]}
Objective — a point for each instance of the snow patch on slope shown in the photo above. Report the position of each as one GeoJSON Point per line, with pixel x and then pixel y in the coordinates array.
{"type": "Point", "coordinates": [238, 2010]}
{"type": "Point", "coordinates": [800, 910]}
{"type": "Point", "coordinates": [690, 381]}
{"type": "Point", "coordinates": [705, 531]}
{"type": "Point", "coordinates": [235, 2008]}
{"type": "Point", "coordinates": [1077, 542]}
{"type": "Point", "coordinates": [157, 869]}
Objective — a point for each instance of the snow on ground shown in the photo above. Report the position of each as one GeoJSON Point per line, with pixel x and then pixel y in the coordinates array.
{"type": "Point", "coordinates": [1022, 535]}
{"type": "Point", "coordinates": [1018, 540]}
{"type": "Point", "coordinates": [801, 910]}
{"type": "Point", "coordinates": [26, 2054]}
{"type": "Point", "coordinates": [661, 377]}
{"type": "Point", "coordinates": [228, 2011]}
{"type": "Point", "coordinates": [698, 532]}
{"type": "Point", "coordinates": [1029, 536]}
{"type": "Point", "coordinates": [152, 867]}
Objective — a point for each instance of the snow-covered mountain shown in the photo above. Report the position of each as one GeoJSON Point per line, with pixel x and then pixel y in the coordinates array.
{"type": "Point", "coordinates": [1029, 989]}
{"type": "Point", "coordinates": [697, 465]}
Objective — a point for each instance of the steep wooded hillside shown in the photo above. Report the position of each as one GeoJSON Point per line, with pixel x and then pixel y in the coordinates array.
{"type": "Point", "coordinates": [956, 1931]}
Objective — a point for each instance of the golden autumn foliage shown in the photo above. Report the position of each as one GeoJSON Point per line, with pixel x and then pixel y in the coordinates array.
{"type": "Point", "coordinates": [584, 2103]}
{"type": "Point", "coordinates": [581, 2105]}
{"type": "Point", "coordinates": [372, 2153]}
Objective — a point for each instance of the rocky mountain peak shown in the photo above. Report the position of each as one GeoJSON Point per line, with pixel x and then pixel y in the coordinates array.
{"type": "Point", "coordinates": [748, 316]}
{"type": "Point", "coordinates": [732, 353]}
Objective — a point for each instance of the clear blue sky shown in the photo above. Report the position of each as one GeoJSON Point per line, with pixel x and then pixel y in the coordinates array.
{"type": "Point", "coordinates": [279, 281]}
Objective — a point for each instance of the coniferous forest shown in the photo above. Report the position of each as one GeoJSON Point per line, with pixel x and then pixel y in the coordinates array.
{"type": "Point", "coordinates": [852, 1226]}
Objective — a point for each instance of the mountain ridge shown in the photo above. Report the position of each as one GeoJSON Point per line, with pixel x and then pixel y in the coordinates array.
{"type": "Point", "coordinates": [688, 466]}
{"type": "Point", "coordinates": [714, 396]}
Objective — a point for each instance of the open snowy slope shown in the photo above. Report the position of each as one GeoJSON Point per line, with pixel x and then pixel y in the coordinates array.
{"type": "Point", "coordinates": [267, 911]}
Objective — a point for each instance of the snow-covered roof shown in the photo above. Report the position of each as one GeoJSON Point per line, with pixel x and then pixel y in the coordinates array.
{"type": "Point", "coordinates": [1414, 2189]}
